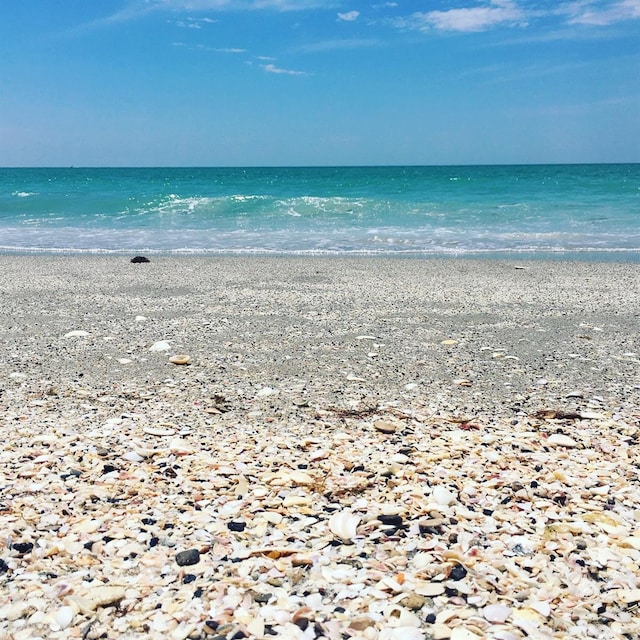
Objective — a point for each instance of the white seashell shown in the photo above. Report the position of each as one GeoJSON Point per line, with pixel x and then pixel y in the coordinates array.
{"type": "Point", "coordinates": [543, 608]}
{"type": "Point", "coordinates": [104, 596]}
{"type": "Point", "coordinates": [161, 345]}
{"type": "Point", "coordinates": [462, 633]}
{"type": "Point", "coordinates": [401, 633]}
{"type": "Point", "coordinates": [140, 318]}
{"type": "Point", "coordinates": [560, 440]}
{"type": "Point", "coordinates": [398, 616]}
{"type": "Point", "coordinates": [443, 496]}
{"type": "Point", "coordinates": [132, 456]}
{"type": "Point", "coordinates": [496, 613]}
{"type": "Point", "coordinates": [591, 415]}
{"type": "Point", "coordinates": [125, 360]}
{"type": "Point", "coordinates": [76, 334]}
{"type": "Point", "coordinates": [430, 589]}
{"type": "Point", "coordinates": [180, 447]}
{"type": "Point", "coordinates": [63, 617]}
{"type": "Point", "coordinates": [265, 391]}
{"type": "Point", "coordinates": [344, 524]}
{"type": "Point", "coordinates": [180, 358]}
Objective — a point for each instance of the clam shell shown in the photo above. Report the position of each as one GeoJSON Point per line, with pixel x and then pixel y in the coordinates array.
{"type": "Point", "coordinates": [181, 358]}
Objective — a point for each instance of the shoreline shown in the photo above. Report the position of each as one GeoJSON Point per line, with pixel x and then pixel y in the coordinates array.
{"type": "Point", "coordinates": [620, 255]}
{"type": "Point", "coordinates": [388, 449]}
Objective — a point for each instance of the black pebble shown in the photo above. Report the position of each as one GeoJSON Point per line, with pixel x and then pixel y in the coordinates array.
{"type": "Point", "coordinates": [4, 567]}
{"type": "Point", "coordinates": [236, 526]}
{"type": "Point", "coordinates": [108, 468]}
{"type": "Point", "coordinates": [392, 520]}
{"type": "Point", "coordinates": [23, 547]}
{"type": "Point", "coordinates": [188, 557]}
{"type": "Point", "coordinates": [139, 259]}
{"type": "Point", "coordinates": [431, 618]}
{"type": "Point", "coordinates": [188, 578]}
{"type": "Point", "coordinates": [457, 573]}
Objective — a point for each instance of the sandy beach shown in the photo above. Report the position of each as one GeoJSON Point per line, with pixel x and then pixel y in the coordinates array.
{"type": "Point", "coordinates": [378, 449]}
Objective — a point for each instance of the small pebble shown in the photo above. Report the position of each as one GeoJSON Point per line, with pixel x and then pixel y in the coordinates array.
{"type": "Point", "coordinates": [188, 557]}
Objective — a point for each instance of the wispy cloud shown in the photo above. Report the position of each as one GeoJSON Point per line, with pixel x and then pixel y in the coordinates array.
{"type": "Point", "coordinates": [271, 68]}
{"type": "Point", "coordinates": [601, 14]}
{"type": "Point", "coordinates": [338, 45]}
{"type": "Point", "coordinates": [193, 23]}
{"type": "Point", "coordinates": [496, 12]}
{"type": "Point", "coordinates": [350, 16]}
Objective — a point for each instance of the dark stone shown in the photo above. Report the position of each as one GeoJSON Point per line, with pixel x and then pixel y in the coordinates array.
{"type": "Point", "coordinates": [457, 573]}
{"type": "Point", "coordinates": [23, 547]}
{"type": "Point", "coordinates": [188, 557]}
{"type": "Point", "coordinates": [262, 598]}
{"type": "Point", "coordinates": [236, 526]}
{"type": "Point", "coordinates": [108, 468]}
{"type": "Point", "coordinates": [148, 521]}
{"type": "Point", "coordinates": [139, 259]}
{"type": "Point", "coordinates": [154, 541]}
{"type": "Point", "coordinates": [391, 520]}
{"type": "Point", "coordinates": [4, 567]}
{"type": "Point", "coordinates": [198, 592]}
{"type": "Point", "coordinates": [189, 578]}
{"type": "Point", "coordinates": [431, 618]}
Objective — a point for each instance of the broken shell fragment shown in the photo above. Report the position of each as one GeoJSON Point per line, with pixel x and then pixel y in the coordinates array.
{"type": "Point", "coordinates": [344, 524]}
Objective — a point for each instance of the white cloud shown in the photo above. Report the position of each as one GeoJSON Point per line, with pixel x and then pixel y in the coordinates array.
{"type": "Point", "coordinates": [230, 50]}
{"type": "Point", "coordinates": [602, 14]}
{"type": "Point", "coordinates": [271, 68]}
{"type": "Point", "coordinates": [350, 16]}
{"type": "Point", "coordinates": [497, 12]}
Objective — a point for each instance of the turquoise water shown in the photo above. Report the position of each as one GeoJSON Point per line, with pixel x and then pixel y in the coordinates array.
{"type": "Point", "coordinates": [534, 210]}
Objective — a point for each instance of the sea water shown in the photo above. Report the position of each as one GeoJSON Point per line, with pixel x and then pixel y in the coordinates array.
{"type": "Point", "coordinates": [532, 210]}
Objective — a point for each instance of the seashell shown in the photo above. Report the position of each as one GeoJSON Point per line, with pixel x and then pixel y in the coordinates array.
{"type": "Point", "coordinates": [180, 447]}
{"type": "Point", "coordinates": [76, 334]}
{"type": "Point", "coordinates": [560, 440]}
{"type": "Point", "coordinates": [463, 633]}
{"type": "Point", "coordinates": [628, 596]}
{"type": "Point", "coordinates": [159, 431]}
{"type": "Point", "coordinates": [132, 456]}
{"type": "Point", "coordinates": [398, 616]}
{"type": "Point", "coordinates": [296, 501]}
{"type": "Point", "coordinates": [401, 633]}
{"type": "Point", "coordinates": [140, 318]}
{"type": "Point", "coordinates": [449, 343]}
{"type": "Point", "coordinates": [443, 496]}
{"type": "Point", "coordinates": [543, 608]}
{"type": "Point", "coordinates": [344, 524]}
{"type": "Point", "coordinates": [384, 427]}
{"type": "Point", "coordinates": [496, 613]}
{"type": "Point", "coordinates": [64, 617]}
{"type": "Point", "coordinates": [104, 596]}
{"type": "Point", "coordinates": [181, 358]}
{"type": "Point", "coordinates": [161, 345]}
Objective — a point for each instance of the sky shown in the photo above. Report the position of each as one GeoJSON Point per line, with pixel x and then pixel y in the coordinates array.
{"type": "Point", "coordinates": [318, 82]}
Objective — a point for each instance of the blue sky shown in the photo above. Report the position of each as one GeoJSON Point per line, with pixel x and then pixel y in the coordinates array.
{"type": "Point", "coordinates": [318, 82]}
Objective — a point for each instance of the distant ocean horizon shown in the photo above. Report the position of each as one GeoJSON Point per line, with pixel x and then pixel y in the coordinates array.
{"type": "Point", "coordinates": [581, 211]}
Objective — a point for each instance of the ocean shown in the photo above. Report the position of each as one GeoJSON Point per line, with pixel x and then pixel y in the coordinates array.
{"type": "Point", "coordinates": [574, 211]}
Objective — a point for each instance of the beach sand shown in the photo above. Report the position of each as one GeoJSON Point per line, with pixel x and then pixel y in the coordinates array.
{"type": "Point", "coordinates": [389, 449]}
